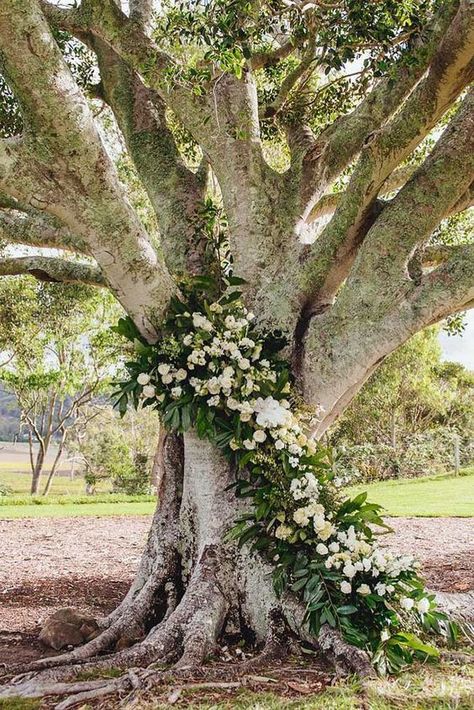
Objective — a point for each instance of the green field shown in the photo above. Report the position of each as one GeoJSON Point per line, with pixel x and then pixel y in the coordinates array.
{"type": "Point", "coordinates": [442, 496]}
{"type": "Point", "coordinates": [75, 510]}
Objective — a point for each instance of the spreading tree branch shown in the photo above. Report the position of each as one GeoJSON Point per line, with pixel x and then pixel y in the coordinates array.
{"type": "Point", "coordinates": [450, 71]}
{"type": "Point", "coordinates": [36, 229]}
{"type": "Point", "coordinates": [338, 145]}
{"type": "Point", "coordinates": [71, 167]}
{"type": "Point", "coordinates": [52, 269]}
{"type": "Point", "coordinates": [328, 203]}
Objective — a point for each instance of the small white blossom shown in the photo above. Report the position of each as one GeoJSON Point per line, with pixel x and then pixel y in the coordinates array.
{"type": "Point", "coordinates": [346, 587]}
{"type": "Point", "coordinates": [283, 532]}
{"type": "Point", "coordinates": [164, 368]}
{"type": "Point", "coordinates": [149, 391]}
{"type": "Point", "coordinates": [143, 378]}
{"type": "Point", "coordinates": [249, 444]}
{"type": "Point", "coordinates": [321, 549]}
{"type": "Point", "coordinates": [423, 605]}
{"type": "Point", "coordinates": [167, 379]}
{"type": "Point", "coordinates": [407, 603]}
{"type": "Point", "coordinates": [176, 392]}
{"type": "Point", "coordinates": [180, 375]}
{"type": "Point", "coordinates": [364, 589]}
{"type": "Point", "coordinates": [200, 321]}
{"type": "Point", "coordinates": [259, 436]}
{"type": "Point", "coordinates": [244, 363]}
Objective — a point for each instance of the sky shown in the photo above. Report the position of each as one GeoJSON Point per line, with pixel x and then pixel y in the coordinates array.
{"type": "Point", "coordinates": [460, 348]}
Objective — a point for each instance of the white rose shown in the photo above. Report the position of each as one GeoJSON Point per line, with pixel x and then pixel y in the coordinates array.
{"type": "Point", "coordinates": [283, 532]}
{"type": "Point", "coordinates": [380, 589]}
{"type": "Point", "coordinates": [187, 340]}
{"type": "Point", "coordinates": [167, 379]}
{"type": "Point", "coordinates": [200, 321]}
{"type": "Point", "coordinates": [259, 436]}
{"type": "Point", "coordinates": [181, 374]}
{"type": "Point", "coordinates": [176, 392]}
{"type": "Point", "coordinates": [279, 444]}
{"type": "Point", "coordinates": [326, 531]}
{"type": "Point", "coordinates": [334, 547]}
{"type": "Point", "coordinates": [321, 549]}
{"type": "Point", "coordinates": [249, 444]}
{"type": "Point", "coordinates": [214, 385]}
{"type": "Point", "coordinates": [364, 589]}
{"type": "Point", "coordinates": [346, 587]}
{"type": "Point", "coordinates": [163, 369]}
{"type": "Point", "coordinates": [407, 603]}
{"type": "Point", "coordinates": [244, 363]}
{"type": "Point", "coordinates": [423, 605]}
{"type": "Point", "coordinates": [148, 391]}
{"type": "Point", "coordinates": [226, 382]}
{"type": "Point", "coordinates": [300, 517]}
{"type": "Point", "coordinates": [232, 403]}
{"type": "Point", "coordinates": [143, 378]}
{"type": "Point", "coordinates": [349, 570]}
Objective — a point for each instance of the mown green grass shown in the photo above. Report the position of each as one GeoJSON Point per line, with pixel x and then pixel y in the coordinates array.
{"type": "Point", "coordinates": [74, 510]}
{"type": "Point", "coordinates": [443, 495]}
{"type": "Point", "coordinates": [20, 483]}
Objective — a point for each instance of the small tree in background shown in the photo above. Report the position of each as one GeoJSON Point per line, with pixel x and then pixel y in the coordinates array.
{"type": "Point", "coordinates": [117, 451]}
{"type": "Point", "coordinates": [404, 419]}
{"type": "Point", "coordinates": [58, 355]}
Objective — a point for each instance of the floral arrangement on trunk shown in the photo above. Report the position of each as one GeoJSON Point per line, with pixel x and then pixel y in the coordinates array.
{"type": "Point", "coordinates": [214, 370]}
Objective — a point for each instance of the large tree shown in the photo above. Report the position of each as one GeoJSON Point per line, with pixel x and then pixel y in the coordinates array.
{"type": "Point", "coordinates": [342, 89]}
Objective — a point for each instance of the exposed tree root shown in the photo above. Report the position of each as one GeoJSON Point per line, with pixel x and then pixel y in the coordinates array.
{"type": "Point", "coordinates": [347, 659]}
{"type": "Point", "coordinates": [153, 586]}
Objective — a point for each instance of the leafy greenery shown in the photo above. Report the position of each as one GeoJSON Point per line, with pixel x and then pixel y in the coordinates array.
{"type": "Point", "coordinates": [213, 370]}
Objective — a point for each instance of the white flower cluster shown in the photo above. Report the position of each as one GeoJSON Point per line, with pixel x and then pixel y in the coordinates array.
{"type": "Point", "coordinates": [223, 365]}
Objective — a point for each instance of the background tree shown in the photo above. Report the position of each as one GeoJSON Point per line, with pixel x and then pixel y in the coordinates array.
{"type": "Point", "coordinates": [57, 356]}
{"type": "Point", "coordinates": [120, 452]}
{"type": "Point", "coordinates": [339, 88]}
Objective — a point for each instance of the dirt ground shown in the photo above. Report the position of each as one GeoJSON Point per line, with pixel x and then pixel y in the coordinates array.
{"type": "Point", "coordinates": [89, 562]}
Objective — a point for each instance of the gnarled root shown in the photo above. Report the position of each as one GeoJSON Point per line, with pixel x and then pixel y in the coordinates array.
{"type": "Point", "coordinates": [347, 659]}
{"type": "Point", "coordinates": [152, 587]}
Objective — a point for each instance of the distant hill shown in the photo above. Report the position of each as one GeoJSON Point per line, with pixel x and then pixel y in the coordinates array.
{"type": "Point", "coordinates": [9, 416]}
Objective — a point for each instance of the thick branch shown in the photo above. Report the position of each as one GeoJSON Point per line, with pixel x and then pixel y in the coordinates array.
{"type": "Point", "coordinates": [450, 71]}
{"type": "Point", "coordinates": [410, 218]}
{"type": "Point", "coordinates": [141, 11]}
{"type": "Point", "coordinates": [338, 145]}
{"type": "Point", "coordinates": [328, 203]}
{"type": "Point", "coordinates": [175, 192]}
{"type": "Point", "coordinates": [445, 290]}
{"type": "Point", "coordinates": [437, 254]}
{"type": "Point", "coordinates": [381, 305]}
{"type": "Point", "coordinates": [37, 230]}
{"type": "Point", "coordinates": [52, 269]}
{"type": "Point", "coordinates": [73, 175]}
{"type": "Point", "coordinates": [106, 20]}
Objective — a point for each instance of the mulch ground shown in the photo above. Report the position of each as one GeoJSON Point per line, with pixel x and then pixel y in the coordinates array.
{"type": "Point", "coordinates": [89, 563]}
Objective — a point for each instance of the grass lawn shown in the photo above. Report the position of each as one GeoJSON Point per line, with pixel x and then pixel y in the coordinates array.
{"type": "Point", "coordinates": [444, 495]}
{"type": "Point", "coordinates": [74, 510]}
{"type": "Point", "coordinates": [20, 483]}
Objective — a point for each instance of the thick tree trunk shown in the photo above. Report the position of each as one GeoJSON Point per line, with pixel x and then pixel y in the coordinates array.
{"type": "Point", "coordinates": [192, 588]}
